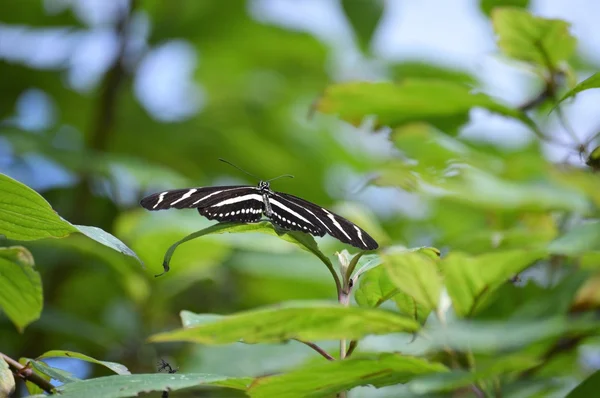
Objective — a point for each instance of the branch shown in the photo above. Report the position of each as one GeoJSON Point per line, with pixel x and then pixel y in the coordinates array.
{"type": "Point", "coordinates": [317, 349]}
{"type": "Point", "coordinates": [26, 373]}
{"type": "Point", "coordinates": [351, 347]}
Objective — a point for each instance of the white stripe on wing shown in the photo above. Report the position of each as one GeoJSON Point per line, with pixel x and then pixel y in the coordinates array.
{"type": "Point", "coordinates": [185, 196]}
{"type": "Point", "coordinates": [292, 212]}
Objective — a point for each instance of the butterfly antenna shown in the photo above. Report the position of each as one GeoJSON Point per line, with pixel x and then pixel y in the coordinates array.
{"type": "Point", "coordinates": [239, 168]}
{"type": "Point", "coordinates": [276, 178]}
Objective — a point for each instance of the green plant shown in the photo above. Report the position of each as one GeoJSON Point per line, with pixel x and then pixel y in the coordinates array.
{"type": "Point", "coordinates": [501, 306]}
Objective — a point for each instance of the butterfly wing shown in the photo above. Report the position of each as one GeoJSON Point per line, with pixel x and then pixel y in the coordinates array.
{"type": "Point", "coordinates": [295, 213]}
{"type": "Point", "coordinates": [224, 203]}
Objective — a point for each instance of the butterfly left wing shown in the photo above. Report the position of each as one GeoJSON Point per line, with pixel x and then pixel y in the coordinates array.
{"type": "Point", "coordinates": [225, 203]}
{"type": "Point", "coordinates": [241, 205]}
{"type": "Point", "coordinates": [296, 213]}
{"type": "Point", "coordinates": [188, 197]}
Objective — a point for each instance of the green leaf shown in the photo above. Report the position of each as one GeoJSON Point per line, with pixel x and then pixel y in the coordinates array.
{"type": "Point", "coordinates": [21, 296]}
{"type": "Point", "coordinates": [533, 39]}
{"type": "Point", "coordinates": [107, 239]}
{"type": "Point", "coordinates": [7, 380]}
{"type": "Point", "coordinates": [364, 16]}
{"type": "Point", "coordinates": [190, 319]}
{"type": "Point", "coordinates": [132, 385]}
{"type": "Point", "coordinates": [57, 374]}
{"type": "Point", "coordinates": [25, 215]}
{"type": "Point", "coordinates": [303, 240]}
{"type": "Point", "coordinates": [446, 382]}
{"type": "Point", "coordinates": [408, 306]}
{"type": "Point", "coordinates": [426, 70]}
{"type": "Point", "coordinates": [589, 83]}
{"type": "Point", "coordinates": [115, 367]}
{"type": "Point", "coordinates": [533, 301]}
{"type": "Point", "coordinates": [487, 6]}
{"type": "Point", "coordinates": [33, 388]}
{"type": "Point", "coordinates": [412, 100]}
{"type": "Point", "coordinates": [306, 320]}
{"type": "Point", "coordinates": [499, 336]}
{"type": "Point", "coordinates": [470, 279]}
{"type": "Point", "coordinates": [375, 288]}
{"type": "Point", "coordinates": [415, 274]}
{"type": "Point", "coordinates": [588, 388]}
{"type": "Point", "coordinates": [484, 190]}
{"type": "Point", "coordinates": [328, 378]}
{"type": "Point", "coordinates": [581, 239]}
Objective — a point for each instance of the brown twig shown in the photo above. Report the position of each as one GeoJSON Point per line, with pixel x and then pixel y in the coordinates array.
{"type": "Point", "coordinates": [318, 349]}
{"type": "Point", "coordinates": [28, 374]}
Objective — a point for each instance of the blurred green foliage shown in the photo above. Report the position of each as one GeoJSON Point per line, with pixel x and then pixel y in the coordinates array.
{"type": "Point", "coordinates": [486, 280]}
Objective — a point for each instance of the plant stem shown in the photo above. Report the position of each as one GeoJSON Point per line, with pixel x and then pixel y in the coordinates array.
{"type": "Point", "coordinates": [318, 349]}
{"type": "Point", "coordinates": [26, 373]}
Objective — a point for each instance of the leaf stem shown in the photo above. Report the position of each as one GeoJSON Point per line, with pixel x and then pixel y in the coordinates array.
{"type": "Point", "coordinates": [318, 349]}
{"type": "Point", "coordinates": [28, 374]}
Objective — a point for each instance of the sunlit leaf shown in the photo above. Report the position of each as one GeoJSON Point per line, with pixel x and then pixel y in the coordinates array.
{"type": "Point", "coordinates": [7, 380]}
{"type": "Point", "coordinates": [25, 215]}
{"type": "Point", "coordinates": [416, 275]}
{"type": "Point", "coordinates": [532, 39]}
{"type": "Point", "coordinates": [415, 100]}
{"type": "Point", "coordinates": [488, 5]}
{"type": "Point", "coordinates": [589, 83]}
{"type": "Point", "coordinates": [115, 367]}
{"type": "Point", "coordinates": [122, 386]}
{"type": "Point", "coordinates": [21, 296]}
{"type": "Point", "coordinates": [190, 319]}
{"type": "Point", "coordinates": [331, 377]}
{"type": "Point", "coordinates": [293, 320]}
{"type": "Point", "coordinates": [469, 279]}
{"type": "Point", "coordinates": [375, 287]}
{"type": "Point", "coordinates": [426, 70]}
{"type": "Point", "coordinates": [363, 16]}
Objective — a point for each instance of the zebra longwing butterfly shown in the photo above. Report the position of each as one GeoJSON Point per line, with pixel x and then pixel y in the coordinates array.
{"type": "Point", "coordinates": [247, 204]}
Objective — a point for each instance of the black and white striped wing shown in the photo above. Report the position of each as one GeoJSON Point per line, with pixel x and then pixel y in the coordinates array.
{"type": "Point", "coordinates": [295, 213]}
{"type": "Point", "coordinates": [226, 203]}
{"type": "Point", "coordinates": [242, 205]}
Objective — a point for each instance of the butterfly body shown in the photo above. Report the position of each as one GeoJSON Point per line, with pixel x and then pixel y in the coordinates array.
{"type": "Point", "coordinates": [248, 204]}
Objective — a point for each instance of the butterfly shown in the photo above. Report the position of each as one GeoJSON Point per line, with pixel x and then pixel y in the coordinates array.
{"type": "Point", "coordinates": [248, 204]}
